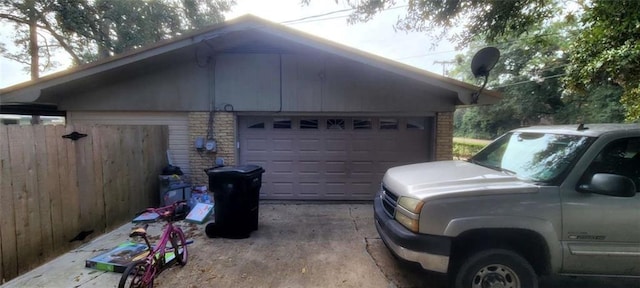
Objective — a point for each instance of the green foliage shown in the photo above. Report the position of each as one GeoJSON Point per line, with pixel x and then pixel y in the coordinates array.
{"type": "Point", "coordinates": [595, 45]}
{"type": "Point", "coordinates": [529, 75]}
{"type": "Point", "coordinates": [483, 122]}
{"type": "Point", "coordinates": [116, 26]}
{"type": "Point", "coordinates": [607, 51]}
{"type": "Point", "coordinates": [93, 29]}
{"type": "Point", "coordinates": [464, 148]}
{"type": "Point", "coordinates": [491, 18]}
{"type": "Point", "coordinates": [600, 104]}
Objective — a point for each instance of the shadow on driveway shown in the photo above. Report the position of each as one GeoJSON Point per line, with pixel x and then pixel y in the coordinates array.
{"type": "Point", "coordinates": [296, 245]}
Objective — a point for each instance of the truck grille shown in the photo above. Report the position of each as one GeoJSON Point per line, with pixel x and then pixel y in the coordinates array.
{"type": "Point", "coordinates": [389, 201]}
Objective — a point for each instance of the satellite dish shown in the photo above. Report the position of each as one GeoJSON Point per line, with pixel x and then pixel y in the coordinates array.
{"type": "Point", "coordinates": [481, 65]}
{"type": "Point", "coordinates": [484, 60]}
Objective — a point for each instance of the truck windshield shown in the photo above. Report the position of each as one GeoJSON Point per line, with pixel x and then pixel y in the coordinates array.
{"type": "Point", "coordinates": [537, 157]}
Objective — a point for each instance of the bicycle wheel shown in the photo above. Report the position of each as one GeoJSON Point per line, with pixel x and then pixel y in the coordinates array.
{"type": "Point", "coordinates": [179, 245]}
{"type": "Point", "coordinates": [137, 275]}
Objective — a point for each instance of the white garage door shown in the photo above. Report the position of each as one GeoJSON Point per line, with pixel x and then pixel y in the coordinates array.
{"type": "Point", "coordinates": [330, 158]}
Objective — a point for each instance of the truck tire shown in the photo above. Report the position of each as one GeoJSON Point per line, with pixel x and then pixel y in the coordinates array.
{"type": "Point", "coordinates": [495, 268]}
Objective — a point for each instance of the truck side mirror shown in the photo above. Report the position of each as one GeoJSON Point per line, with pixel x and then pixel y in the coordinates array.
{"type": "Point", "coordinates": [609, 184]}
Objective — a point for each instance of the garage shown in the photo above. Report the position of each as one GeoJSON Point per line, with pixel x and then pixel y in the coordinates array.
{"type": "Point", "coordinates": [325, 121]}
{"type": "Point", "coordinates": [330, 157]}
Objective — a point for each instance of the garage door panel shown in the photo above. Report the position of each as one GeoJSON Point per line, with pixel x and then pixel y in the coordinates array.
{"type": "Point", "coordinates": [310, 167]}
{"type": "Point", "coordinates": [310, 145]}
{"type": "Point", "coordinates": [326, 164]}
{"type": "Point", "coordinates": [363, 170]}
{"type": "Point", "coordinates": [282, 145]}
{"type": "Point", "coordinates": [306, 159]}
{"type": "Point", "coordinates": [336, 145]}
{"type": "Point", "coordinates": [388, 145]}
{"type": "Point", "coordinates": [362, 147]}
{"type": "Point", "coordinates": [335, 189]}
{"type": "Point", "coordinates": [335, 168]}
{"type": "Point", "coordinates": [311, 189]}
{"type": "Point", "coordinates": [362, 189]}
{"type": "Point", "coordinates": [281, 167]}
{"type": "Point", "coordinates": [256, 145]}
{"type": "Point", "coordinates": [282, 188]}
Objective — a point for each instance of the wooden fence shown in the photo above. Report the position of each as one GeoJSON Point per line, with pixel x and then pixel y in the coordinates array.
{"type": "Point", "coordinates": [52, 188]}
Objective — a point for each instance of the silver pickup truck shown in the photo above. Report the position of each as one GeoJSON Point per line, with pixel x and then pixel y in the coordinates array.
{"type": "Point", "coordinates": [536, 201]}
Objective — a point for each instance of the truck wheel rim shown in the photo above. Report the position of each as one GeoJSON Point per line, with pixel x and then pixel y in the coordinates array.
{"type": "Point", "coordinates": [495, 276]}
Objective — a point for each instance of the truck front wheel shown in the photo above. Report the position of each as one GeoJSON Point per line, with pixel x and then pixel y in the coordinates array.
{"type": "Point", "coordinates": [496, 268]}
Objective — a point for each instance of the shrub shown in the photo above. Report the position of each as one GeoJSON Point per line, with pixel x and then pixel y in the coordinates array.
{"type": "Point", "coordinates": [464, 148]}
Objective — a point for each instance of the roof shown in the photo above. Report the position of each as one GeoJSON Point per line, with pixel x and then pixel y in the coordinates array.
{"type": "Point", "coordinates": [592, 130]}
{"type": "Point", "coordinates": [30, 91]}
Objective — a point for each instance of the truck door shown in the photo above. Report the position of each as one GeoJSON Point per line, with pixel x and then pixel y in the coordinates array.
{"type": "Point", "coordinates": [601, 234]}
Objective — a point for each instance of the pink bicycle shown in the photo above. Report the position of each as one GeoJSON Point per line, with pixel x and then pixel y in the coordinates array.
{"type": "Point", "coordinates": [171, 249]}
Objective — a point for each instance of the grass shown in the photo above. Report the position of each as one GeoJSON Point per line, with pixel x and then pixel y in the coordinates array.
{"type": "Point", "coordinates": [464, 148]}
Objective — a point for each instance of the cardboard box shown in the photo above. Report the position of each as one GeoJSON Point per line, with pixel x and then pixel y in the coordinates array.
{"type": "Point", "coordinates": [118, 258]}
{"type": "Point", "coordinates": [200, 213]}
{"type": "Point", "coordinates": [146, 217]}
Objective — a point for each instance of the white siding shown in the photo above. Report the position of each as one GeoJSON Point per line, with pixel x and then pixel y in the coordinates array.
{"type": "Point", "coordinates": [178, 124]}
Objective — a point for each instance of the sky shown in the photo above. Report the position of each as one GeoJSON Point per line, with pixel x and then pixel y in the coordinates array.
{"type": "Point", "coordinates": [376, 36]}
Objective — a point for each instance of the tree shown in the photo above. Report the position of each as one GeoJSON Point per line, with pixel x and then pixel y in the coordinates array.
{"type": "Point", "coordinates": [492, 18]}
{"type": "Point", "coordinates": [607, 52]}
{"type": "Point", "coordinates": [88, 30]}
{"type": "Point", "coordinates": [26, 15]}
{"type": "Point", "coordinates": [529, 75]}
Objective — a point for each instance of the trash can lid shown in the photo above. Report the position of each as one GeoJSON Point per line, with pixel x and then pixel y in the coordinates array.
{"type": "Point", "coordinates": [242, 169]}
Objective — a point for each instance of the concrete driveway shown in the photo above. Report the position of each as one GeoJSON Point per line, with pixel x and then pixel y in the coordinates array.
{"type": "Point", "coordinates": [296, 245]}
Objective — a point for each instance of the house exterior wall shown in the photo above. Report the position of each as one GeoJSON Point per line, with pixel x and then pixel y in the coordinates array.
{"type": "Point", "coordinates": [304, 83]}
{"type": "Point", "coordinates": [444, 136]}
{"type": "Point", "coordinates": [224, 130]}
{"type": "Point", "coordinates": [181, 86]}
{"type": "Point", "coordinates": [319, 83]}
{"type": "Point", "coordinates": [251, 82]}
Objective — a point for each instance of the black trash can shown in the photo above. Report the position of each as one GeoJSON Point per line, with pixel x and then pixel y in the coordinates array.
{"type": "Point", "coordinates": [236, 193]}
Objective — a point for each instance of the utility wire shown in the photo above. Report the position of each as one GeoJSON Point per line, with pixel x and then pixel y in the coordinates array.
{"type": "Point", "coordinates": [528, 81]}
{"type": "Point", "coordinates": [316, 16]}
{"type": "Point", "coordinates": [312, 18]}
{"type": "Point", "coordinates": [315, 20]}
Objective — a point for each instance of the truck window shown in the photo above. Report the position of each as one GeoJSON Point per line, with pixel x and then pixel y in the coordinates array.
{"type": "Point", "coordinates": [621, 157]}
{"type": "Point", "coordinates": [537, 157]}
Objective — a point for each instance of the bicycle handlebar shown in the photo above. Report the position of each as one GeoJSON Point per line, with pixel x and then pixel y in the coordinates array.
{"type": "Point", "coordinates": [164, 211]}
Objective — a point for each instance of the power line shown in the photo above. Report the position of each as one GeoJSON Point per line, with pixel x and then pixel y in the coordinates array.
{"type": "Point", "coordinates": [313, 20]}
{"type": "Point", "coordinates": [309, 19]}
{"type": "Point", "coordinates": [316, 16]}
{"type": "Point", "coordinates": [528, 81]}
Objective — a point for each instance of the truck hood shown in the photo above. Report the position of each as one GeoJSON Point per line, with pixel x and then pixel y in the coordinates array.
{"type": "Point", "coordinates": [452, 179]}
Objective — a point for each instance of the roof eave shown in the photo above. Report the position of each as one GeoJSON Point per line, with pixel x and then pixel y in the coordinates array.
{"type": "Point", "coordinates": [30, 91]}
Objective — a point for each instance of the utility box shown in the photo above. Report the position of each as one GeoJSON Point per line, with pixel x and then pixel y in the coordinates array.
{"type": "Point", "coordinates": [236, 193]}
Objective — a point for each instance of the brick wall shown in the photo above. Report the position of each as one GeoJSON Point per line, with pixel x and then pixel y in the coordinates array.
{"type": "Point", "coordinates": [224, 126]}
{"type": "Point", "coordinates": [444, 136]}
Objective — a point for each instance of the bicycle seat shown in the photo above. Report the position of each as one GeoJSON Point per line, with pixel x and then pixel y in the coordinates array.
{"type": "Point", "coordinates": [138, 232]}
